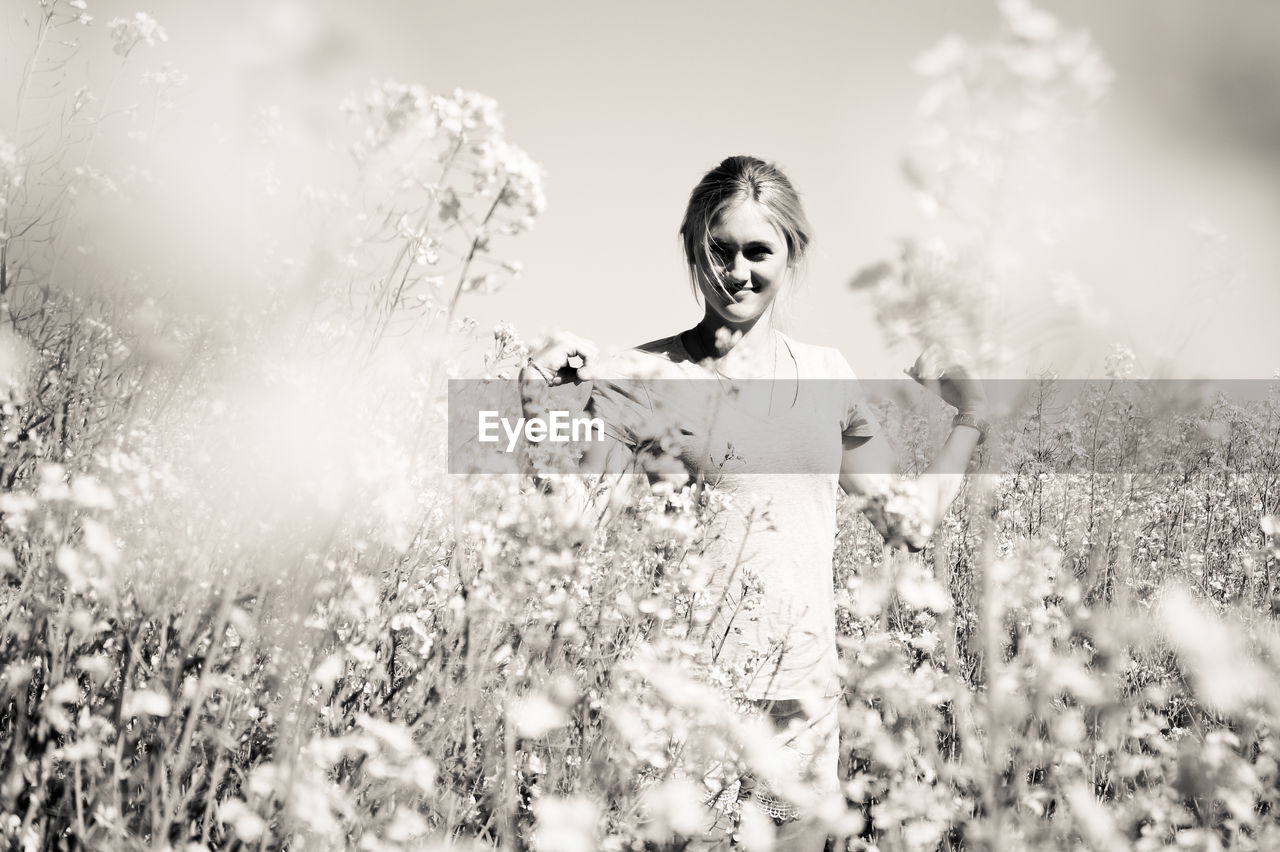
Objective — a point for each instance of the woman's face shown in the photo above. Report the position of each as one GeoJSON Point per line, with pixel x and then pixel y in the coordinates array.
{"type": "Point", "coordinates": [750, 255]}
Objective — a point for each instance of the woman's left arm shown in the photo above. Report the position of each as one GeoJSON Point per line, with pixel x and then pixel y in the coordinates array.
{"type": "Point", "coordinates": [907, 510]}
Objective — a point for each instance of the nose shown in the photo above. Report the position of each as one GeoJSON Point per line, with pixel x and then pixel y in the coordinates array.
{"type": "Point", "coordinates": [739, 272]}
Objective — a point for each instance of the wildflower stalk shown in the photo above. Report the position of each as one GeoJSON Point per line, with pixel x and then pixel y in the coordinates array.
{"type": "Point", "coordinates": [386, 308]}
{"type": "Point", "coordinates": [121, 786]}
{"type": "Point", "coordinates": [28, 69]}
{"type": "Point", "coordinates": [733, 574]}
{"type": "Point", "coordinates": [169, 810]}
{"type": "Point", "coordinates": [215, 781]}
{"type": "Point", "coordinates": [81, 832]}
{"type": "Point", "coordinates": [481, 236]}
{"type": "Point", "coordinates": [510, 784]}
{"type": "Point", "coordinates": [24, 84]}
{"type": "Point", "coordinates": [990, 616]}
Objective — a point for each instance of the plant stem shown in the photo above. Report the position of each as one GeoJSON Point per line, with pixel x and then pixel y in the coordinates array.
{"type": "Point", "coordinates": [475, 244]}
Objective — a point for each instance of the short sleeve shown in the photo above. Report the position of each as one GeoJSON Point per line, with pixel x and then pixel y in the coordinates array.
{"type": "Point", "coordinates": [641, 395]}
{"type": "Point", "coordinates": [624, 406]}
{"type": "Point", "coordinates": [857, 419]}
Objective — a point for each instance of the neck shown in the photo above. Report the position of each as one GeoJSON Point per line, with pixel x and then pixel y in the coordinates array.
{"type": "Point", "coordinates": [754, 334]}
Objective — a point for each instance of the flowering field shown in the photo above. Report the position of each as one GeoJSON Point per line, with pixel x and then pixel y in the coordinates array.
{"type": "Point", "coordinates": [243, 606]}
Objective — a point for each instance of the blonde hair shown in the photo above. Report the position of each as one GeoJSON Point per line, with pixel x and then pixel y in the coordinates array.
{"type": "Point", "coordinates": [735, 181]}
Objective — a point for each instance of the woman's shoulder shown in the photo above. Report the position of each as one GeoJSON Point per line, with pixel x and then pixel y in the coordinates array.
{"type": "Point", "coordinates": [665, 357]}
{"type": "Point", "coordinates": [667, 348]}
{"type": "Point", "coordinates": [819, 362]}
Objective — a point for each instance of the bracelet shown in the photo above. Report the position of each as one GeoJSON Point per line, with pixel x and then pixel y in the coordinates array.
{"type": "Point", "coordinates": [968, 418]}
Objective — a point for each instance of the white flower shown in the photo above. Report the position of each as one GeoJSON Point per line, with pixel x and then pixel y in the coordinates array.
{"type": "Point", "coordinates": [126, 33]}
{"type": "Point", "coordinates": [8, 160]}
{"type": "Point", "coordinates": [67, 692]}
{"type": "Point", "coordinates": [248, 825]}
{"type": "Point", "coordinates": [147, 702]}
{"type": "Point", "coordinates": [674, 808]}
{"type": "Point", "coordinates": [168, 76]}
{"type": "Point", "coordinates": [89, 493]}
{"type": "Point", "coordinates": [1025, 21]}
{"type": "Point", "coordinates": [535, 715]}
{"type": "Point", "coordinates": [920, 591]}
{"type": "Point", "coordinates": [1121, 363]}
{"type": "Point", "coordinates": [565, 825]}
{"type": "Point", "coordinates": [98, 541]}
{"type": "Point", "coordinates": [942, 58]}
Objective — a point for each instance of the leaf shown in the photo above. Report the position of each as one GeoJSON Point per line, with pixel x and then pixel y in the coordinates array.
{"type": "Point", "coordinates": [871, 275]}
{"type": "Point", "coordinates": [450, 207]}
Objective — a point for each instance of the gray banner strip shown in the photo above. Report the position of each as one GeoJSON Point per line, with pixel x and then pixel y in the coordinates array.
{"type": "Point", "coordinates": [764, 427]}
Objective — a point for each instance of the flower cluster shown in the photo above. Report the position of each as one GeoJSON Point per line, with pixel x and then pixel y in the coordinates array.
{"type": "Point", "coordinates": [128, 33]}
{"type": "Point", "coordinates": [243, 606]}
{"type": "Point", "coordinates": [450, 187]}
{"type": "Point", "coordinates": [396, 118]}
{"type": "Point", "coordinates": [988, 158]}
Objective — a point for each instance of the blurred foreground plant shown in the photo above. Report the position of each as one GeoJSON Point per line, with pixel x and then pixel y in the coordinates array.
{"type": "Point", "coordinates": [243, 607]}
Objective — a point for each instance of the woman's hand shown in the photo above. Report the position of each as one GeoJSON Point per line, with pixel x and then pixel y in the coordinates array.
{"type": "Point", "coordinates": [562, 359]}
{"type": "Point", "coordinates": [949, 376]}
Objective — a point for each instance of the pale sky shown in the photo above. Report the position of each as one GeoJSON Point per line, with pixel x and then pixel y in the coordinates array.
{"type": "Point", "coordinates": [626, 105]}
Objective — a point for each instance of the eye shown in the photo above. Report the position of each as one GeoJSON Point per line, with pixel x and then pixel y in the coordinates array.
{"type": "Point", "coordinates": [758, 253]}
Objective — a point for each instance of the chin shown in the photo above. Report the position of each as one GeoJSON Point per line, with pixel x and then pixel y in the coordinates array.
{"type": "Point", "coordinates": [739, 312]}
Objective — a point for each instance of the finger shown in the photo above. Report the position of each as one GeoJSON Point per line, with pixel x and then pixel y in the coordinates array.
{"type": "Point", "coordinates": [931, 362]}
{"type": "Point", "coordinates": [584, 350]}
{"type": "Point", "coordinates": [572, 346]}
{"type": "Point", "coordinates": [924, 368]}
{"type": "Point", "coordinates": [925, 382]}
{"type": "Point", "coordinates": [557, 355]}
{"type": "Point", "coordinates": [578, 355]}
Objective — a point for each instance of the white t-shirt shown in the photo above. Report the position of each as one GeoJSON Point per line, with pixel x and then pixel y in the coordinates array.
{"type": "Point", "coordinates": [780, 470]}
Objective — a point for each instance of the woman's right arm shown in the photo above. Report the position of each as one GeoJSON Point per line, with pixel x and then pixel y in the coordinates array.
{"type": "Point", "coordinates": [569, 360]}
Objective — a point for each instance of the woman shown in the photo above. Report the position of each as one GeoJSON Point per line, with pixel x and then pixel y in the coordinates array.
{"type": "Point", "coordinates": [745, 237]}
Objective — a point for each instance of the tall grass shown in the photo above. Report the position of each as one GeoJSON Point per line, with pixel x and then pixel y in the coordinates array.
{"type": "Point", "coordinates": [244, 608]}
